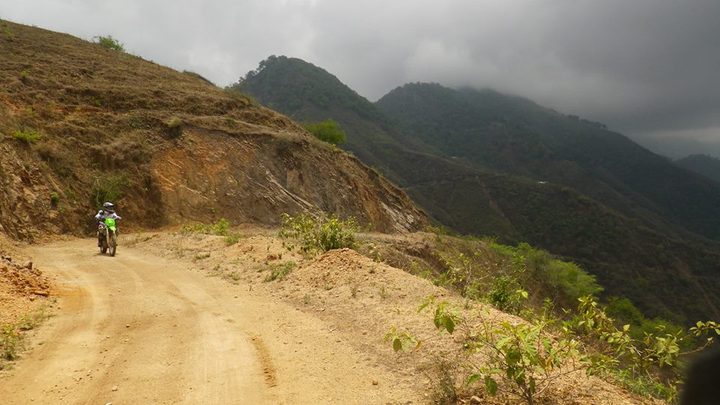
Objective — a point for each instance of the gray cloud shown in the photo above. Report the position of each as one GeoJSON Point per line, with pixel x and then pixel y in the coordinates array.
{"type": "Point", "coordinates": [649, 68]}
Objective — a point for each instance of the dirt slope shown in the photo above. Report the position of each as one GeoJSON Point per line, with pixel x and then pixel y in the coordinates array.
{"type": "Point", "coordinates": [138, 328]}
{"type": "Point", "coordinates": [166, 146]}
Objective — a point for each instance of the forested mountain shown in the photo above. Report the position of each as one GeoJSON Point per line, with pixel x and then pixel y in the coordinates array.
{"type": "Point", "coordinates": [517, 136]}
{"type": "Point", "coordinates": [706, 165]}
{"type": "Point", "coordinates": [488, 164]}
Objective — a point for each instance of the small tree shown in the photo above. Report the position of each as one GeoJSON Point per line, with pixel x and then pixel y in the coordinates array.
{"type": "Point", "coordinates": [109, 42]}
{"type": "Point", "coordinates": [328, 131]}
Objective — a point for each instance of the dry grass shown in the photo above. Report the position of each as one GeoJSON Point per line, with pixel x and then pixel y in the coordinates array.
{"type": "Point", "coordinates": [100, 110]}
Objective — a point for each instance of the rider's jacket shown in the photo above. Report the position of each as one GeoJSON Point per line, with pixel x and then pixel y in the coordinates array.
{"type": "Point", "coordinates": [102, 215]}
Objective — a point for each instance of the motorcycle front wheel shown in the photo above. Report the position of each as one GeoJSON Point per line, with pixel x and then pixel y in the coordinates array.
{"type": "Point", "coordinates": [113, 244]}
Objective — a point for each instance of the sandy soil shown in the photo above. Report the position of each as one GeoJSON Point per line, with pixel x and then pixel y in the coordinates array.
{"type": "Point", "coordinates": [360, 299]}
{"type": "Point", "coordinates": [146, 329]}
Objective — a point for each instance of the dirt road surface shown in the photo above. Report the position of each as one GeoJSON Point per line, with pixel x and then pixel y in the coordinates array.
{"type": "Point", "coordinates": [137, 328]}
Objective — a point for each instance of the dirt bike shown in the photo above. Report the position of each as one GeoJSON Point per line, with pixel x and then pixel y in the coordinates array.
{"type": "Point", "coordinates": [107, 231]}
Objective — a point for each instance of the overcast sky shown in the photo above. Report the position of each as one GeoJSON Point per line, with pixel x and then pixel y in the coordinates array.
{"type": "Point", "coordinates": [647, 68]}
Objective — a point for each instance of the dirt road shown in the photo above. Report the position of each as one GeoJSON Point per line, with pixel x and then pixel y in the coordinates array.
{"type": "Point", "coordinates": [142, 329]}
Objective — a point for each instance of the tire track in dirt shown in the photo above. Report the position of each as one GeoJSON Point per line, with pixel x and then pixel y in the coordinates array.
{"type": "Point", "coordinates": [138, 328]}
{"type": "Point", "coordinates": [264, 355]}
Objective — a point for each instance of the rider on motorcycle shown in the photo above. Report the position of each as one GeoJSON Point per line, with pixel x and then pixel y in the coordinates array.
{"type": "Point", "coordinates": [107, 211]}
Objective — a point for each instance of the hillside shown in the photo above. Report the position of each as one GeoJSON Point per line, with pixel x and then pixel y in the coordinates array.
{"type": "Point", "coordinates": [312, 312]}
{"type": "Point", "coordinates": [517, 136]}
{"type": "Point", "coordinates": [80, 124]}
{"type": "Point", "coordinates": [576, 208]}
{"type": "Point", "coordinates": [308, 93]}
{"type": "Point", "coordinates": [705, 165]}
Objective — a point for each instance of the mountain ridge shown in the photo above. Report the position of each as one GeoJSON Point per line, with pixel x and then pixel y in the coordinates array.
{"type": "Point", "coordinates": [704, 165]}
{"type": "Point", "coordinates": [483, 197]}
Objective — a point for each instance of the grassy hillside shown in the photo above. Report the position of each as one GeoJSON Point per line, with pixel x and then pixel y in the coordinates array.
{"type": "Point", "coordinates": [81, 123]}
{"type": "Point", "coordinates": [499, 185]}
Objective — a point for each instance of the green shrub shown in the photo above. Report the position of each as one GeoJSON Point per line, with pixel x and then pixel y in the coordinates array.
{"type": "Point", "coordinates": [507, 294]}
{"type": "Point", "coordinates": [522, 359]}
{"type": "Point", "coordinates": [532, 266]}
{"type": "Point", "coordinates": [328, 131]}
{"type": "Point", "coordinates": [401, 341]}
{"type": "Point", "coordinates": [9, 34]}
{"type": "Point", "coordinates": [110, 187]}
{"type": "Point", "coordinates": [54, 199]}
{"type": "Point", "coordinates": [27, 136]}
{"type": "Point", "coordinates": [10, 341]}
{"type": "Point", "coordinates": [232, 238]}
{"type": "Point", "coordinates": [624, 311]}
{"type": "Point", "coordinates": [109, 42]}
{"type": "Point", "coordinates": [174, 127]}
{"type": "Point", "coordinates": [32, 320]}
{"type": "Point", "coordinates": [650, 360]}
{"type": "Point", "coordinates": [321, 234]}
{"type": "Point", "coordinates": [569, 279]}
{"type": "Point", "coordinates": [280, 271]}
{"type": "Point", "coordinates": [219, 228]}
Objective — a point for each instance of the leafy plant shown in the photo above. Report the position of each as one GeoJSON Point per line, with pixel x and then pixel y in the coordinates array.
{"type": "Point", "coordinates": [232, 238]}
{"type": "Point", "coordinates": [280, 271]}
{"type": "Point", "coordinates": [462, 273]}
{"type": "Point", "coordinates": [328, 131]}
{"type": "Point", "coordinates": [27, 136]}
{"type": "Point", "coordinates": [401, 341]}
{"type": "Point", "coordinates": [653, 358]}
{"type": "Point", "coordinates": [109, 42]}
{"type": "Point", "coordinates": [521, 358]}
{"type": "Point", "coordinates": [319, 234]}
{"type": "Point", "coordinates": [507, 295]}
{"type": "Point", "coordinates": [10, 341]}
{"type": "Point", "coordinates": [219, 228]}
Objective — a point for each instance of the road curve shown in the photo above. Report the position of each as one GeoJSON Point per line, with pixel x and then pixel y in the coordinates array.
{"type": "Point", "coordinates": [136, 328]}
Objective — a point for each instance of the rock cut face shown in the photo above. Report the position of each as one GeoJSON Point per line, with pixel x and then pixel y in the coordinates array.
{"type": "Point", "coordinates": [166, 147]}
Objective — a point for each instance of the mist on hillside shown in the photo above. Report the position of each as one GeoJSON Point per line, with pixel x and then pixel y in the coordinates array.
{"type": "Point", "coordinates": [649, 69]}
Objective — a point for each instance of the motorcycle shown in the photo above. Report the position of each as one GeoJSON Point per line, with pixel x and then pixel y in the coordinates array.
{"type": "Point", "coordinates": [107, 232]}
